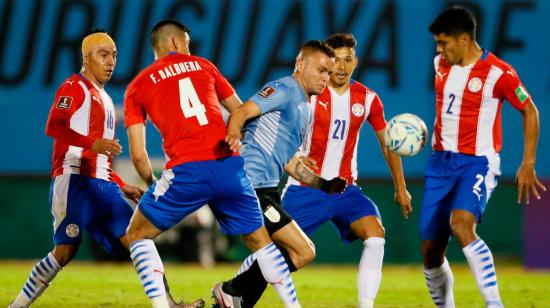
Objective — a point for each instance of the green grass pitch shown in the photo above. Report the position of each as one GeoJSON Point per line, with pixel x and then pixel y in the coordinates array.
{"type": "Point", "coordinates": [84, 284]}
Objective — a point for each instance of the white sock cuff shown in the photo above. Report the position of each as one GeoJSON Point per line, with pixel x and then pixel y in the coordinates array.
{"type": "Point", "coordinates": [474, 247]}
{"type": "Point", "coordinates": [437, 271]}
{"type": "Point", "coordinates": [373, 241]}
{"type": "Point", "coordinates": [54, 262]}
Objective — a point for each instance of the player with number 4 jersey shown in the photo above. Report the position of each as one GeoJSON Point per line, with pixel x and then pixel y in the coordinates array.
{"type": "Point", "coordinates": [181, 94]}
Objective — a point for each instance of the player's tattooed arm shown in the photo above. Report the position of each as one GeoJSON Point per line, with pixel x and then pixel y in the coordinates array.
{"type": "Point", "coordinates": [300, 168]}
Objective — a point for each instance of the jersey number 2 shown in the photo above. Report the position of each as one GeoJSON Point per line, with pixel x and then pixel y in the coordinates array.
{"type": "Point", "coordinates": [190, 103]}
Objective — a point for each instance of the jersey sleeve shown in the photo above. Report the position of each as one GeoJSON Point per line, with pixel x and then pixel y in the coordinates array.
{"type": "Point", "coordinates": [134, 111]}
{"type": "Point", "coordinates": [273, 96]}
{"type": "Point", "coordinates": [68, 99]}
{"type": "Point", "coordinates": [509, 87]}
{"type": "Point", "coordinates": [223, 87]}
{"type": "Point", "coordinates": [376, 115]}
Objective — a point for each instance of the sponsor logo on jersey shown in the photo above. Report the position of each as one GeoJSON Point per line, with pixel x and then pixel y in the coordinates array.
{"type": "Point", "coordinates": [64, 102]}
{"type": "Point", "coordinates": [272, 214]}
{"type": "Point", "coordinates": [358, 109]}
{"type": "Point", "coordinates": [521, 94]}
{"type": "Point", "coordinates": [474, 85]}
{"type": "Point", "coordinates": [323, 104]}
{"type": "Point", "coordinates": [440, 75]}
{"type": "Point", "coordinates": [72, 230]}
{"type": "Point", "coordinates": [266, 92]}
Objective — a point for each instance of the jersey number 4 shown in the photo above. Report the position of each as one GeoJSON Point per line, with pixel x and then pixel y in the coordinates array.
{"type": "Point", "coordinates": [190, 103]}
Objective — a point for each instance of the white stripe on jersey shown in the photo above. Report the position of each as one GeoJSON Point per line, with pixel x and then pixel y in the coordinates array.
{"type": "Point", "coordinates": [102, 161]}
{"type": "Point", "coordinates": [487, 114]}
{"type": "Point", "coordinates": [452, 97]}
{"type": "Point", "coordinates": [369, 98]}
{"type": "Point", "coordinates": [59, 199]}
{"type": "Point", "coordinates": [335, 147]}
{"type": "Point", "coordinates": [266, 131]}
{"type": "Point", "coordinates": [80, 123]}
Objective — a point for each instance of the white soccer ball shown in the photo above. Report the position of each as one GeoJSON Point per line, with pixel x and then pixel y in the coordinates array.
{"type": "Point", "coordinates": [406, 134]}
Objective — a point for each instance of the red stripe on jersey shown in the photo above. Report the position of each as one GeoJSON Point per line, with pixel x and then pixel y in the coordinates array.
{"type": "Point", "coordinates": [442, 73]}
{"type": "Point", "coordinates": [497, 129]}
{"type": "Point", "coordinates": [357, 96]}
{"type": "Point", "coordinates": [470, 107]}
{"type": "Point", "coordinates": [321, 128]}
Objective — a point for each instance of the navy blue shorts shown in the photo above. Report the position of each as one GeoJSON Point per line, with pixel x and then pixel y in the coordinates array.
{"type": "Point", "coordinates": [82, 203]}
{"type": "Point", "coordinates": [311, 207]}
{"type": "Point", "coordinates": [455, 181]}
{"type": "Point", "coordinates": [222, 184]}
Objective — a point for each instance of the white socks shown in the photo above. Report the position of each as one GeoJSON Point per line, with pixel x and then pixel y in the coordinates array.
{"type": "Point", "coordinates": [481, 263]}
{"type": "Point", "coordinates": [275, 271]}
{"type": "Point", "coordinates": [247, 264]}
{"type": "Point", "coordinates": [150, 271]}
{"type": "Point", "coordinates": [370, 271]}
{"type": "Point", "coordinates": [41, 275]}
{"type": "Point", "coordinates": [440, 283]}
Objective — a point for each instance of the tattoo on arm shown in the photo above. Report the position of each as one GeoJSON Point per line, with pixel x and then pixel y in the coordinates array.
{"type": "Point", "coordinates": [303, 174]}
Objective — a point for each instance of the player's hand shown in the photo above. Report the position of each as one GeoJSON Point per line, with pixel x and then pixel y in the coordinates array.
{"type": "Point", "coordinates": [335, 186]}
{"type": "Point", "coordinates": [107, 147]}
{"type": "Point", "coordinates": [403, 199]}
{"type": "Point", "coordinates": [133, 193]}
{"type": "Point", "coordinates": [233, 139]}
{"type": "Point", "coordinates": [527, 182]}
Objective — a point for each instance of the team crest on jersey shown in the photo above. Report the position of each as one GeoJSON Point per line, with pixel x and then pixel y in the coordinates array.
{"type": "Point", "coordinates": [474, 85]}
{"type": "Point", "coordinates": [266, 92]}
{"type": "Point", "coordinates": [72, 230]}
{"type": "Point", "coordinates": [358, 109]}
{"type": "Point", "coordinates": [64, 102]}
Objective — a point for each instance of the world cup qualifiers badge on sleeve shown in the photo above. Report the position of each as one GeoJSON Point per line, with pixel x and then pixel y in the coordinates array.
{"type": "Point", "coordinates": [266, 92]}
{"type": "Point", "coordinates": [64, 102]}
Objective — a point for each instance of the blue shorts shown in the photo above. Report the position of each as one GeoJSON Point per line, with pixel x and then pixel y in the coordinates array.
{"type": "Point", "coordinates": [222, 184]}
{"type": "Point", "coordinates": [82, 203]}
{"type": "Point", "coordinates": [455, 181]}
{"type": "Point", "coordinates": [311, 207]}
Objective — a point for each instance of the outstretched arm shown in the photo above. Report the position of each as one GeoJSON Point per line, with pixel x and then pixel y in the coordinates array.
{"type": "Point", "coordinates": [138, 153]}
{"type": "Point", "coordinates": [402, 196]}
{"type": "Point", "coordinates": [526, 177]}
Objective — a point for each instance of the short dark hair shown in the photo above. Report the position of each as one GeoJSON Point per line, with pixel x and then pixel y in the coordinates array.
{"type": "Point", "coordinates": [339, 40]}
{"type": "Point", "coordinates": [454, 21]}
{"type": "Point", "coordinates": [317, 45]}
{"type": "Point", "coordinates": [155, 32]}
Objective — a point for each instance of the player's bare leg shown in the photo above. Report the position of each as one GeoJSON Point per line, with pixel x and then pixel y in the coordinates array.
{"type": "Point", "coordinates": [369, 275]}
{"type": "Point", "coordinates": [438, 274]}
{"type": "Point", "coordinates": [171, 302]}
{"type": "Point", "coordinates": [478, 254]}
{"type": "Point", "coordinates": [43, 273]}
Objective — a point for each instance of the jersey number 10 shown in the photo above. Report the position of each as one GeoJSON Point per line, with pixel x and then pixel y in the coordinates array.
{"type": "Point", "coordinates": [190, 103]}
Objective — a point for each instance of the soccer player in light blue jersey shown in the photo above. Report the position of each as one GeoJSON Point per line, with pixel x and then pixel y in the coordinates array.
{"type": "Point", "coordinates": [279, 117]}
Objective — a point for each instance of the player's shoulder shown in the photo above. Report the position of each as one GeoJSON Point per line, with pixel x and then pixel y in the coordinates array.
{"type": "Point", "coordinates": [280, 87]}
{"type": "Point", "coordinates": [71, 86]}
{"type": "Point", "coordinates": [439, 61]}
{"type": "Point", "coordinates": [358, 88]}
{"type": "Point", "coordinates": [493, 60]}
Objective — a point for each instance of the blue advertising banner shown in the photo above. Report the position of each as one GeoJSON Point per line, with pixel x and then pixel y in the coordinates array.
{"type": "Point", "coordinates": [252, 42]}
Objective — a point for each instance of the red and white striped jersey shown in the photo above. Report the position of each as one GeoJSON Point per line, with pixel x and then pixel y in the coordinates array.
{"type": "Point", "coordinates": [469, 101]}
{"type": "Point", "coordinates": [84, 108]}
{"type": "Point", "coordinates": [334, 133]}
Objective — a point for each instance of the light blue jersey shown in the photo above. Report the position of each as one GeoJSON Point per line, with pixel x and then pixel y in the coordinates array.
{"type": "Point", "coordinates": [271, 139]}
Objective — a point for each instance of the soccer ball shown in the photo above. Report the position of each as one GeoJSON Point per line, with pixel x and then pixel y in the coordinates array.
{"type": "Point", "coordinates": [406, 134]}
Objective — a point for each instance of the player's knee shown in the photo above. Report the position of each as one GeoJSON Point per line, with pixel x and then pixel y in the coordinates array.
{"type": "Point", "coordinates": [462, 229]}
{"type": "Point", "coordinates": [133, 234]}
